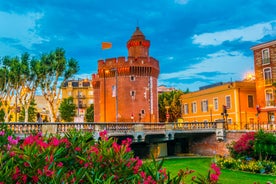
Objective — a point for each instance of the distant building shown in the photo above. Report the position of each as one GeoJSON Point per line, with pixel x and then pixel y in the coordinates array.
{"type": "Point", "coordinates": [125, 89]}
{"type": "Point", "coordinates": [162, 89]}
{"type": "Point", "coordinates": [236, 99]}
{"type": "Point", "coordinates": [82, 92]}
{"type": "Point", "coordinates": [42, 107]}
{"type": "Point", "coordinates": [265, 74]}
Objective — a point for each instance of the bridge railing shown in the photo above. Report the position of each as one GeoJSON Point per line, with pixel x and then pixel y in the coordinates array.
{"type": "Point", "coordinates": [59, 127]}
{"type": "Point", "coordinates": [195, 125]}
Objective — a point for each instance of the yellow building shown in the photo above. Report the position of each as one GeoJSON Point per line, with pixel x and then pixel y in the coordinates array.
{"type": "Point", "coordinates": [82, 92]}
{"type": "Point", "coordinates": [233, 101]}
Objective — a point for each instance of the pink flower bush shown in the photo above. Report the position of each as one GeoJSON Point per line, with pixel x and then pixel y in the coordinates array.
{"type": "Point", "coordinates": [78, 158]}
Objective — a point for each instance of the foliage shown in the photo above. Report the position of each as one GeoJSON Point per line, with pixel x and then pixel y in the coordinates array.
{"type": "Point", "coordinates": [242, 148]}
{"type": "Point", "coordinates": [265, 145]}
{"type": "Point", "coordinates": [32, 111]}
{"type": "Point", "coordinates": [171, 99]}
{"type": "Point", "coordinates": [55, 68]}
{"type": "Point", "coordinates": [2, 115]}
{"type": "Point", "coordinates": [67, 109]}
{"type": "Point", "coordinates": [212, 177]}
{"type": "Point", "coordinates": [75, 158]}
{"type": "Point", "coordinates": [89, 114]}
{"type": "Point", "coordinates": [248, 165]}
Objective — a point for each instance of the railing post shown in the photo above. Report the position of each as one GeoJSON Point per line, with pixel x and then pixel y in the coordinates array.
{"type": "Point", "coordinates": [220, 129]}
{"type": "Point", "coordinates": [48, 128]}
{"type": "Point", "coordinates": [139, 135]}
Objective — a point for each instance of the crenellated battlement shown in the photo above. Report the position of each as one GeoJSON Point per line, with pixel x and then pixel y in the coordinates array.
{"type": "Point", "coordinates": [130, 61]}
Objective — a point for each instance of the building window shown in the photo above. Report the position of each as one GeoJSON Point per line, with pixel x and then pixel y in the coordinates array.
{"type": "Point", "coordinates": [91, 93]}
{"type": "Point", "coordinates": [216, 104]}
{"type": "Point", "coordinates": [228, 102]}
{"type": "Point", "coordinates": [69, 93]}
{"type": "Point", "coordinates": [186, 109]}
{"type": "Point", "coordinates": [265, 56]}
{"type": "Point", "coordinates": [193, 107]}
{"type": "Point", "coordinates": [250, 101]}
{"type": "Point", "coordinates": [132, 93]}
{"type": "Point", "coordinates": [132, 78]}
{"type": "Point", "coordinates": [91, 101]}
{"type": "Point", "coordinates": [204, 105]}
{"type": "Point", "coordinates": [269, 97]}
{"type": "Point", "coordinates": [142, 111]}
{"type": "Point", "coordinates": [267, 76]}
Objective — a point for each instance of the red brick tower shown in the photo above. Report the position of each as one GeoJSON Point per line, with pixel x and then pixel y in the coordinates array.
{"type": "Point", "coordinates": [125, 90]}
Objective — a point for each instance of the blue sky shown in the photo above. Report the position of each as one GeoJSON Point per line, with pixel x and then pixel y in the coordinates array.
{"type": "Point", "coordinates": [196, 42]}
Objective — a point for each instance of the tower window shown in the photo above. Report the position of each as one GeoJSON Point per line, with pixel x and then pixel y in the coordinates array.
{"type": "Point", "coordinates": [132, 78]}
{"type": "Point", "coordinates": [142, 111]}
{"type": "Point", "coordinates": [132, 93]}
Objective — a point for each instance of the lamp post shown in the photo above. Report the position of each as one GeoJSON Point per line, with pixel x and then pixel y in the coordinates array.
{"type": "Point", "coordinates": [167, 113]}
{"type": "Point", "coordinates": [116, 91]}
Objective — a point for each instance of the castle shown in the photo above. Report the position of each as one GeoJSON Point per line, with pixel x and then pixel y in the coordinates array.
{"type": "Point", "coordinates": [125, 89]}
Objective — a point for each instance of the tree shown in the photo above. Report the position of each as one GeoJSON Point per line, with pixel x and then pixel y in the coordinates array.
{"type": "Point", "coordinates": [89, 114]}
{"type": "Point", "coordinates": [32, 111]}
{"type": "Point", "coordinates": [54, 70]}
{"type": "Point", "coordinates": [19, 84]}
{"type": "Point", "coordinates": [171, 99]}
{"type": "Point", "coordinates": [67, 109]}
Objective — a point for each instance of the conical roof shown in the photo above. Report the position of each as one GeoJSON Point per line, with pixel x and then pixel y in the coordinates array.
{"type": "Point", "coordinates": [137, 35]}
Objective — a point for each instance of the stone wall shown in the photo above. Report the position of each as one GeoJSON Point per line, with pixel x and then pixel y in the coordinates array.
{"type": "Point", "coordinates": [208, 145]}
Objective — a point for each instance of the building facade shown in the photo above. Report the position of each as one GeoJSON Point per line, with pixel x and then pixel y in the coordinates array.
{"type": "Point", "coordinates": [234, 101]}
{"type": "Point", "coordinates": [125, 89]}
{"type": "Point", "coordinates": [265, 74]}
{"type": "Point", "coordinates": [82, 92]}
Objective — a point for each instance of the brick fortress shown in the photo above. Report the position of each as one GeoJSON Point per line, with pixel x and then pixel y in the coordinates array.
{"type": "Point", "coordinates": [125, 89]}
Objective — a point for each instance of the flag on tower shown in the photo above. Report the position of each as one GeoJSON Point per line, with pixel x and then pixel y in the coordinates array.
{"type": "Point", "coordinates": [106, 45]}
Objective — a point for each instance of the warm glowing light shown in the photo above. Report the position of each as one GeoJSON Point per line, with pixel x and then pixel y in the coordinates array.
{"type": "Point", "coordinates": [250, 76]}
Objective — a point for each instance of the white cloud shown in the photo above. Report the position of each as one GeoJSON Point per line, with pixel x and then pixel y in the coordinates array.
{"type": "Point", "coordinates": [21, 28]}
{"type": "Point", "coordinates": [250, 33]}
{"type": "Point", "coordinates": [233, 65]}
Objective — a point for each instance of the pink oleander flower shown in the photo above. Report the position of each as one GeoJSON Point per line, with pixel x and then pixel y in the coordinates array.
{"type": "Point", "coordinates": [103, 135]}
{"type": "Point", "coordinates": [26, 164]}
{"type": "Point", "coordinates": [13, 141]}
{"type": "Point", "coordinates": [60, 164]}
{"type": "Point", "coordinates": [12, 154]}
{"type": "Point", "coordinates": [78, 149]}
{"type": "Point", "coordinates": [116, 147]}
{"type": "Point", "coordinates": [216, 169]}
{"type": "Point", "coordinates": [2, 133]}
{"type": "Point", "coordinates": [214, 177]}
{"type": "Point", "coordinates": [35, 179]}
{"type": "Point", "coordinates": [24, 178]}
{"type": "Point", "coordinates": [54, 141]}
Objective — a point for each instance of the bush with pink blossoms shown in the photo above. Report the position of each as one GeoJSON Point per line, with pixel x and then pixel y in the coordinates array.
{"type": "Point", "coordinates": [76, 158]}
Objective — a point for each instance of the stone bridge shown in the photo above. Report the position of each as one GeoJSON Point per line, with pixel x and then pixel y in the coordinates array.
{"type": "Point", "coordinates": [138, 131]}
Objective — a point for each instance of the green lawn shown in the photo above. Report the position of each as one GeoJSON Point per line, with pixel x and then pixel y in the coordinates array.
{"type": "Point", "coordinates": [201, 165]}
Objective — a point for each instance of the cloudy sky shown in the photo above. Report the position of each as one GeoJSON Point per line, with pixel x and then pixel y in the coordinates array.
{"type": "Point", "coordinates": [197, 42]}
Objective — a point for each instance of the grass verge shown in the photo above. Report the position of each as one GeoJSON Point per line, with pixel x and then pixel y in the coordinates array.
{"type": "Point", "coordinates": [201, 165]}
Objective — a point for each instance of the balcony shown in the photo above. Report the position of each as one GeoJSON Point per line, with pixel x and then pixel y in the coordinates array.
{"type": "Point", "coordinates": [270, 82]}
{"type": "Point", "coordinates": [265, 61]}
{"type": "Point", "coordinates": [270, 103]}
